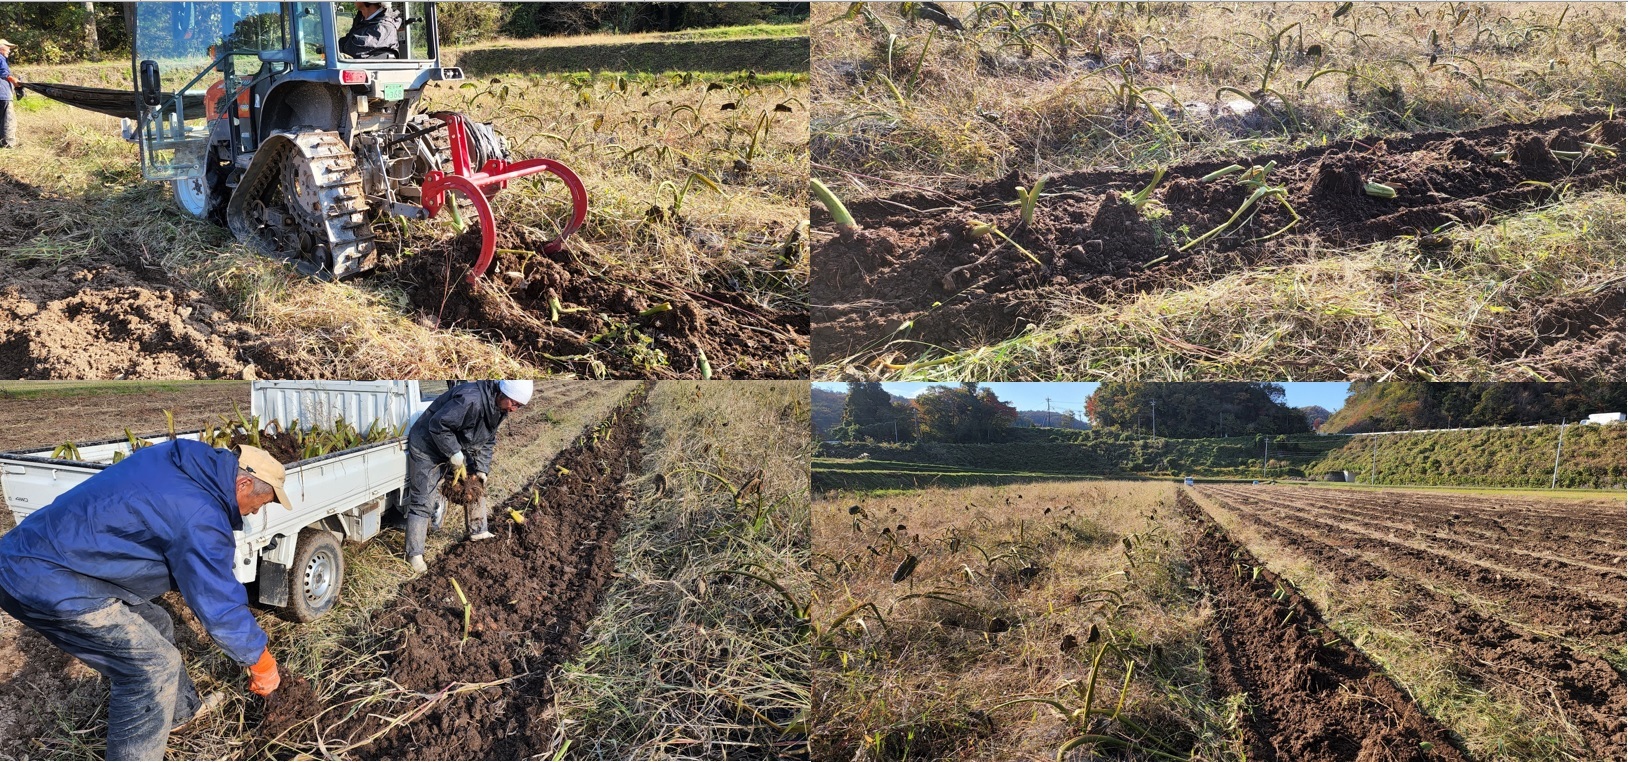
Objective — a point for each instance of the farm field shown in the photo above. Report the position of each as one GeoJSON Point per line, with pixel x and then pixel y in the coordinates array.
{"type": "Point", "coordinates": [1502, 616]}
{"type": "Point", "coordinates": [692, 262]}
{"type": "Point", "coordinates": [1066, 620]}
{"type": "Point", "coordinates": [1196, 167]}
{"type": "Point", "coordinates": [51, 707]}
{"type": "Point", "coordinates": [665, 533]}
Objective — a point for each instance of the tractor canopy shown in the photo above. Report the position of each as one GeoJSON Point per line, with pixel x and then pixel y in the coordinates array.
{"type": "Point", "coordinates": [194, 63]}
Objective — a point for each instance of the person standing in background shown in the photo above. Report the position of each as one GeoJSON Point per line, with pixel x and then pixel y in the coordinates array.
{"type": "Point", "coordinates": [10, 91]}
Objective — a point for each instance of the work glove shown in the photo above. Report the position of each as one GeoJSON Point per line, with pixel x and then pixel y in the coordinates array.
{"type": "Point", "coordinates": [460, 468]}
{"type": "Point", "coordinates": [263, 677]}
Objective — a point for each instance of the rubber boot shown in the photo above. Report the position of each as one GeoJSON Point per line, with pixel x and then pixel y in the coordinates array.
{"type": "Point", "coordinates": [477, 516]}
{"type": "Point", "coordinates": [417, 528]}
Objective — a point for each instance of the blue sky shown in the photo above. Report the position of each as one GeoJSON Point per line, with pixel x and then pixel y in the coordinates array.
{"type": "Point", "coordinates": [1071, 395]}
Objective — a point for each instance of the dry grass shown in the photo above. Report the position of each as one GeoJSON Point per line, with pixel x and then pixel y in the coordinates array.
{"type": "Point", "coordinates": [1382, 312]}
{"type": "Point", "coordinates": [748, 239]}
{"type": "Point", "coordinates": [1021, 576]}
{"type": "Point", "coordinates": [900, 102]}
{"type": "Point", "coordinates": [1496, 720]}
{"type": "Point", "coordinates": [691, 658]}
{"type": "Point", "coordinates": [328, 646]}
{"type": "Point", "coordinates": [979, 105]}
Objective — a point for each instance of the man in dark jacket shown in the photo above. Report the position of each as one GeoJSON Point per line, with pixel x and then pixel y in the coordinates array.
{"type": "Point", "coordinates": [374, 33]}
{"type": "Point", "coordinates": [83, 572]}
{"type": "Point", "coordinates": [458, 430]}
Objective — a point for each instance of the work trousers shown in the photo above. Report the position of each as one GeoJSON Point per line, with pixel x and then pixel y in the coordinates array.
{"type": "Point", "coordinates": [8, 124]}
{"type": "Point", "coordinates": [134, 648]}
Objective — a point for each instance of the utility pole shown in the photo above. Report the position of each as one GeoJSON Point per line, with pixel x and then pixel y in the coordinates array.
{"type": "Point", "coordinates": [1155, 418]}
{"type": "Point", "coordinates": [1553, 480]}
{"type": "Point", "coordinates": [1373, 461]}
{"type": "Point", "coordinates": [1266, 446]}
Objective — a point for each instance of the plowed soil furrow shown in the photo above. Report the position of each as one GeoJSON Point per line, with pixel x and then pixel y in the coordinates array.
{"type": "Point", "coordinates": [531, 593]}
{"type": "Point", "coordinates": [1555, 607]}
{"type": "Point", "coordinates": [1314, 696]}
{"type": "Point", "coordinates": [1589, 691]}
{"type": "Point", "coordinates": [1603, 584]}
{"type": "Point", "coordinates": [1443, 530]}
{"type": "Point", "coordinates": [912, 261]}
{"type": "Point", "coordinates": [1582, 522]}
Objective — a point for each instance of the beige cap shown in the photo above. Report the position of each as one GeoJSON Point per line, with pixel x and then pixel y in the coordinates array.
{"type": "Point", "coordinates": [6, 44]}
{"type": "Point", "coordinates": [265, 468]}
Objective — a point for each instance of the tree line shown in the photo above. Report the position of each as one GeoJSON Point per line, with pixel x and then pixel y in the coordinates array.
{"type": "Point", "coordinates": [968, 413]}
{"type": "Point", "coordinates": [1405, 405]}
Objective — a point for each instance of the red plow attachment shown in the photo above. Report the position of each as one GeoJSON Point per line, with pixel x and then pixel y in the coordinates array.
{"type": "Point", "coordinates": [480, 185]}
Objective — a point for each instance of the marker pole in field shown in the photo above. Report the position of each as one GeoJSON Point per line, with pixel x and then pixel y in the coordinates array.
{"type": "Point", "coordinates": [1555, 479]}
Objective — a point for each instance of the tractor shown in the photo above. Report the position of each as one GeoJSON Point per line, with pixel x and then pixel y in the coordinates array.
{"type": "Point", "coordinates": [261, 122]}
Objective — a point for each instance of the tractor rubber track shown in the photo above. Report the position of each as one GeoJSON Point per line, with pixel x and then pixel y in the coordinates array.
{"type": "Point", "coordinates": [1312, 695]}
{"type": "Point", "coordinates": [335, 237]}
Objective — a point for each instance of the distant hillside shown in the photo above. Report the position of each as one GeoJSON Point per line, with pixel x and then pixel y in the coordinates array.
{"type": "Point", "coordinates": [1316, 415]}
{"type": "Point", "coordinates": [827, 410]}
{"type": "Point", "coordinates": [1052, 419]}
{"type": "Point", "coordinates": [1405, 405]}
{"type": "Point", "coordinates": [1591, 457]}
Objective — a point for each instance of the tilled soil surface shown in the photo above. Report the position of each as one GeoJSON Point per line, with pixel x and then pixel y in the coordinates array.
{"type": "Point", "coordinates": [1589, 691]}
{"type": "Point", "coordinates": [100, 319]}
{"type": "Point", "coordinates": [913, 262]}
{"type": "Point", "coordinates": [103, 414]}
{"type": "Point", "coordinates": [554, 311]}
{"type": "Point", "coordinates": [531, 591]}
{"type": "Point", "coordinates": [1313, 695]}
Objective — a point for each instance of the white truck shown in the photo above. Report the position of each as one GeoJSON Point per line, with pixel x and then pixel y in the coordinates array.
{"type": "Point", "coordinates": [291, 553]}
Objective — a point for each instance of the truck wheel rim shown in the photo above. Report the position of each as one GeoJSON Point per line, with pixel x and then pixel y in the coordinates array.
{"type": "Point", "coordinates": [319, 577]}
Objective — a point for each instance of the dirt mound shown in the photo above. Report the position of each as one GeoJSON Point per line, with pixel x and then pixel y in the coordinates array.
{"type": "Point", "coordinates": [913, 262]}
{"type": "Point", "coordinates": [1314, 696]}
{"type": "Point", "coordinates": [96, 319]}
{"type": "Point", "coordinates": [596, 320]}
{"type": "Point", "coordinates": [294, 702]}
{"type": "Point", "coordinates": [466, 492]}
{"type": "Point", "coordinates": [483, 691]}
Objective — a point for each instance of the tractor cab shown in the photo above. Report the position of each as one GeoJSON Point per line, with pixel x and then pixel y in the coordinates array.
{"type": "Point", "coordinates": [262, 67]}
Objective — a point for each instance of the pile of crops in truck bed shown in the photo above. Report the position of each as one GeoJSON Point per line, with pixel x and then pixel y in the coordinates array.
{"type": "Point", "coordinates": [286, 445]}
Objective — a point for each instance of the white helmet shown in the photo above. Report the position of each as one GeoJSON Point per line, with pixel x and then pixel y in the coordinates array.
{"type": "Point", "coordinates": [519, 391]}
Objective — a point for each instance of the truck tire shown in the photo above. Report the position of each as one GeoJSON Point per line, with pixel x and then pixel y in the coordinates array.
{"type": "Point", "coordinates": [316, 575]}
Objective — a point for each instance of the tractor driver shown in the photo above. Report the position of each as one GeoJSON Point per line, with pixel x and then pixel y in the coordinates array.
{"type": "Point", "coordinates": [84, 570]}
{"type": "Point", "coordinates": [458, 429]}
{"type": "Point", "coordinates": [374, 33]}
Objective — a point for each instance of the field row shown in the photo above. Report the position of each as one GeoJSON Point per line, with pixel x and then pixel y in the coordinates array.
{"type": "Point", "coordinates": [1515, 651]}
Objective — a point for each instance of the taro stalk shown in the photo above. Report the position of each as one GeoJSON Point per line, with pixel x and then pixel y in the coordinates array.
{"type": "Point", "coordinates": [839, 213]}
{"type": "Point", "coordinates": [460, 591]}
{"type": "Point", "coordinates": [66, 451]}
{"type": "Point", "coordinates": [976, 230]}
{"type": "Point", "coordinates": [681, 192]}
{"type": "Point", "coordinates": [1254, 179]}
{"type": "Point", "coordinates": [1026, 200]}
{"type": "Point", "coordinates": [1082, 714]}
{"type": "Point", "coordinates": [1140, 198]}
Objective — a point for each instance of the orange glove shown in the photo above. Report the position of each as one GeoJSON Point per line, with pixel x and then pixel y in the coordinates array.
{"type": "Point", "coordinates": [263, 677]}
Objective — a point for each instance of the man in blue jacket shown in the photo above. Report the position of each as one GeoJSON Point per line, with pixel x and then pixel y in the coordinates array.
{"type": "Point", "coordinates": [457, 430]}
{"type": "Point", "coordinates": [84, 570]}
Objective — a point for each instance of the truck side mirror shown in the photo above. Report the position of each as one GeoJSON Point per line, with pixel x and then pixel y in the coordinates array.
{"type": "Point", "coordinates": [150, 83]}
